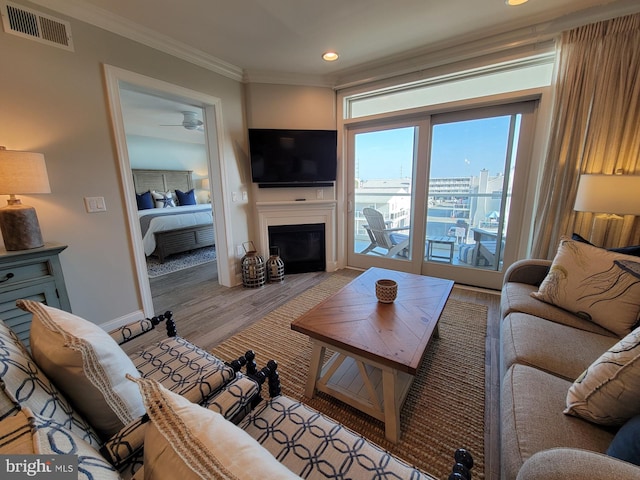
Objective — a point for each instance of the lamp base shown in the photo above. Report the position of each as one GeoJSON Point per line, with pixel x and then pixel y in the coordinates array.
{"type": "Point", "coordinates": [20, 227]}
{"type": "Point", "coordinates": [605, 230]}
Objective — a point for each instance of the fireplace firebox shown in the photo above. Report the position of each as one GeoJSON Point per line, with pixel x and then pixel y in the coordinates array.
{"type": "Point", "coordinates": [302, 247]}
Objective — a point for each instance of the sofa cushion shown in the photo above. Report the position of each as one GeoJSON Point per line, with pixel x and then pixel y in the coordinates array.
{"type": "Point", "coordinates": [29, 433]}
{"type": "Point", "coordinates": [236, 398]}
{"type": "Point", "coordinates": [187, 441]}
{"type": "Point", "coordinates": [572, 463]}
{"type": "Point", "coordinates": [532, 402]}
{"type": "Point", "coordinates": [24, 384]}
{"type": "Point", "coordinates": [566, 353]}
{"type": "Point", "coordinates": [316, 447]}
{"type": "Point", "coordinates": [87, 365]}
{"type": "Point", "coordinates": [608, 392]}
{"type": "Point", "coordinates": [516, 297]}
{"type": "Point", "coordinates": [183, 368]}
{"type": "Point", "coordinates": [626, 443]}
{"type": "Point", "coordinates": [124, 449]}
{"type": "Point", "coordinates": [598, 285]}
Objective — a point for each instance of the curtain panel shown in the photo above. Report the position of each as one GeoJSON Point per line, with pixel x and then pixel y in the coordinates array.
{"type": "Point", "coordinates": [595, 127]}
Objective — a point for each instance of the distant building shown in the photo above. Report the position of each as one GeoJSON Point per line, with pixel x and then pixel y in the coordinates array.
{"type": "Point", "coordinates": [473, 200]}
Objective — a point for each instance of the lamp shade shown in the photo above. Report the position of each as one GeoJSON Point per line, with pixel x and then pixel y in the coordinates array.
{"type": "Point", "coordinates": [205, 184]}
{"type": "Point", "coordinates": [23, 173]}
{"type": "Point", "coordinates": [615, 194]}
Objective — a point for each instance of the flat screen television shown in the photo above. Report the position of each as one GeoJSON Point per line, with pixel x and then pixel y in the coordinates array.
{"type": "Point", "coordinates": [293, 158]}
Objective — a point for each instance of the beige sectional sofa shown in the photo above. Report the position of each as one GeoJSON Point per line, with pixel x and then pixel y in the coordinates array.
{"type": "Point", "coordinates": [188, 415]}
{"type": "Point", "coordinates": [544, 349]}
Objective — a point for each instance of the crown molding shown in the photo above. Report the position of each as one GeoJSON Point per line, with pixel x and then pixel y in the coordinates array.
{"type": "Point", "coordinates": [120, 26]}
{"type": "Point", "coordinates": [533, 38]}
{"type": "Point", "coordinates": [284, 78]}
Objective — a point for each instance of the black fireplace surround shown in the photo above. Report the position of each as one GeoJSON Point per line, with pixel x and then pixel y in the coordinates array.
{"type": "Point", "coordinates": [302, 247]}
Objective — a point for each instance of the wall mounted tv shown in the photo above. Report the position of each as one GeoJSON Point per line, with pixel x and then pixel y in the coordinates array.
{"type": "Point", "coordinates": [293, 158]}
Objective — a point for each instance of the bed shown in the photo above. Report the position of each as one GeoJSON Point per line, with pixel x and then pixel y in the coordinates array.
{"type": "Point", "coordinates": [167, 231]}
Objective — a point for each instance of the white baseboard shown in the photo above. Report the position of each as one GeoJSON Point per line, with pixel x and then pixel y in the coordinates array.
{"type": "Point", "coordinates": [118, 322]}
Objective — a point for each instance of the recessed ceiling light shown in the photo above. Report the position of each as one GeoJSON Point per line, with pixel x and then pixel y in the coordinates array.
{"type": "Point", "coordinates": [330, 56]}
{"type": "Point", "coordinates": [515, 2]}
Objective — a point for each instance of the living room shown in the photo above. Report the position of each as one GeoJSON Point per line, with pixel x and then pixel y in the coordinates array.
{"type": "Point", "coordinates": [59, 105]}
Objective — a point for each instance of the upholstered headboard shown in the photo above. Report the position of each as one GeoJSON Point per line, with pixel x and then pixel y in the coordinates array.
{"type": "Point", "coordinates": [162, 180]}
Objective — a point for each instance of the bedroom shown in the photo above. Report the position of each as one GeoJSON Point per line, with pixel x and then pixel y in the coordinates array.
{"type": "Point", "coordinates": [168, 159]}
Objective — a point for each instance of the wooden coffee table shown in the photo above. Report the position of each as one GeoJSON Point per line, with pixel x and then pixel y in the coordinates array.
{"type": "Point", "coordinates": [378, 347]}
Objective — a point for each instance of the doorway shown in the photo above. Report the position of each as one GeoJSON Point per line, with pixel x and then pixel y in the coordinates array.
{"type": "Point", "coordinates": [117, 78]}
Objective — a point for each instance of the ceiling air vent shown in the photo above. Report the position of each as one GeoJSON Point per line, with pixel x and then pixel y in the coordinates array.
{"type": "Point", "coordinates": [28, 23]}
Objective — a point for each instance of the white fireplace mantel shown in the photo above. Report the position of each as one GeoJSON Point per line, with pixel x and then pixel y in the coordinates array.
{"type": "Point", "coordinates": [299, 213]}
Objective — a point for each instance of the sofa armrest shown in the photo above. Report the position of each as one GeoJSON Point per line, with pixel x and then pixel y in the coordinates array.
{"type": "Point", "coordinates": [132, 330]}
{"type": "Point", "coordinates": [530, 271]}
{"type": "Point", "coordinates": [563, 463]}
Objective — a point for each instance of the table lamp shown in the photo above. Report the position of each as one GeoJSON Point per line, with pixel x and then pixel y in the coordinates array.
{"type": "Point", "coordinates": [21, 173]}
{"type": "Point", "coordinates": [206, 186]}
{"type": "Point", "coordinates": [609, 196]}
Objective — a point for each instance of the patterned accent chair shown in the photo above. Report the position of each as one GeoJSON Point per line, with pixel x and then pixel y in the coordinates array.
{"type": "Point", "coordinates": [174, 362]}
{"type": "Point", "coordinates": [216, 401]}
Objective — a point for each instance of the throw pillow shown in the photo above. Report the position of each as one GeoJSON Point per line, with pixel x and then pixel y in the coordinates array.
{"type": "Point", "coordinates": [23, 384]}
{"type": "Point", "coordinates": [188, 198]}
{"type": "Point", "coordinates": [626, 443]}
{"type": "Point", "coordinates": [144, 200]}
{"type": "Point", "coordinates": [608, 392]}
{"type": "Point", "coordinates": [87, 365]}
{"type": "Point", "coordinates": [600, 286]}
{"type": "Point", "coordinates": [187, 441]}
{"type": "Point", "coordinates": [163, 199]}
{"type": "Point", "coordinates": [31, 434]}
{"type": "Point", "coordinates": [630, 250]}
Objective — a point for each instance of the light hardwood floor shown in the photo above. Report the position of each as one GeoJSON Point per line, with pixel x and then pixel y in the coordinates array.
{"type": "Point", "coordinates": [207, 313]}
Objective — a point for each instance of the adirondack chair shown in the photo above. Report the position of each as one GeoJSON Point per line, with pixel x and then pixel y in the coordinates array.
{"type": "Point", "coordinates": [383, 237]}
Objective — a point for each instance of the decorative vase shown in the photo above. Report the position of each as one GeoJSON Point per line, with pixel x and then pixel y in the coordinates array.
{"type": "Point", "coordinates": [386, 290]}
{"type": "Point", "coordinates": [275, 266]}
{"type": "Point", "coordinates": [253, 267]}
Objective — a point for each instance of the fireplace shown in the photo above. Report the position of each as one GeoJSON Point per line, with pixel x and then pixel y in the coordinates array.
{"type": "Point", "coordinates": [302, 247]}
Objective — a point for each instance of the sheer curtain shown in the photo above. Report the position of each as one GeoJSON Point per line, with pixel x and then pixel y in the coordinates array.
{"type": "Point", "coordinates": [595, 126]}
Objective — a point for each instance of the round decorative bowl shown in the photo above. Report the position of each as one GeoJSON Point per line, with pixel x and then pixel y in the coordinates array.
{"type": "Point", "coordinates": [386, 290]}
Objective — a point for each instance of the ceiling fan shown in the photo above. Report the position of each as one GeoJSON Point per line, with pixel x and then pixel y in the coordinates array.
{"type": "Point", "coordinates": [190, 122]}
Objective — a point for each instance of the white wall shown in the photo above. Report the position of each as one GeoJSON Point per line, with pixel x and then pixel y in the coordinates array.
{"type": "Point", "coordinates": [157, 153]}
{"type": "Point", "coordinates": [54, 102]}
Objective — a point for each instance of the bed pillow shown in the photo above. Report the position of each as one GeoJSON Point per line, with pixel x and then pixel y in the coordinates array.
{"type": "Point", "coordinates": [187, 441]}
{"type": "Point", "coordinates": [608, 392]}
{"type": "Point", "coordinates": [597, 285]}
{"type": "Point", "coordinates": [30, 434]}
{"type": "Point", "coordinates": [87, 365]}
{"type": "Point", "coordinates": [163, 199]}
{"type": "Point", "coordinates": [188, 198]}
{"type": "Point", "coordinates": [144, 201]}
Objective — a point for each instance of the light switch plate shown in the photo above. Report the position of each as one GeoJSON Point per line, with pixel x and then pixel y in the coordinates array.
{"type": "Point", "coordinates": [95, 204]}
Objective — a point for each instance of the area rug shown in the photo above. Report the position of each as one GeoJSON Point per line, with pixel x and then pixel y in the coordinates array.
{"type": "Point", "coordinates": [445, 406]}
{"type": "Point", "coordinates": [180, 261]}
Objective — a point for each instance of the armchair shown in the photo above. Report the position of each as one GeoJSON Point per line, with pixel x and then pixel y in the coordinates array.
{"type": "Point", "coordinates": [381, 236]}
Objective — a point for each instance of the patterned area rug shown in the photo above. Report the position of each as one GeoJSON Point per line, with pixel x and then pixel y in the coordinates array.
{"type": "Point", "coordinates": [180, 261]}
{"type": "Point", "coordinates": [445, 406]}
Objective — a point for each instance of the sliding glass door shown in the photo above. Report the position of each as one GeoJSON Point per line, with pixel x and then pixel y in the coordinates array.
{"type": "Point", "coordinates": [474, 163]}
{"type": "Point", "coordinates": [439, 195]}
{"type": "Point", "coordinates": [382, 203]}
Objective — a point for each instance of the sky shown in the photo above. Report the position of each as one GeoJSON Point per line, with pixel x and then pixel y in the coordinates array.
{"type": "Point", "coordinates": [459, 149]}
